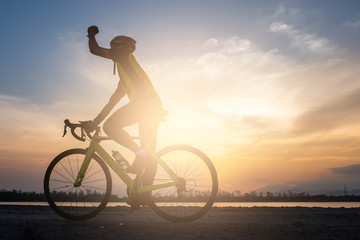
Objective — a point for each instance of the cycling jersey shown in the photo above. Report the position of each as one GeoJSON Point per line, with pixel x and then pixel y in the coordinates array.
{"type": "Point", "coordinates": [133, 79]}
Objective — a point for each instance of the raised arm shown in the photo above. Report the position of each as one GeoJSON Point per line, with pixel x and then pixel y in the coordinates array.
{"type": "Point", "coordinates": [94, 46]}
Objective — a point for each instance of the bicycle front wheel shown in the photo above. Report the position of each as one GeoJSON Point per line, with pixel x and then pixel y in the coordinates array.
{"type": "Point", "coordinates": [196, 189]}
{"type": "Point", "coordinates": [77, 202]}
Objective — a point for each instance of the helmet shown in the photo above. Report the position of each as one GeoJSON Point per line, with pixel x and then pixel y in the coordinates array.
{"type": "Point", "coordinates": [123, 40]}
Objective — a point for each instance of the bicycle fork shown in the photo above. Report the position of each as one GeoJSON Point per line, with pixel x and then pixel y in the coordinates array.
{"type": "Point", "coordinates": [84, 167]}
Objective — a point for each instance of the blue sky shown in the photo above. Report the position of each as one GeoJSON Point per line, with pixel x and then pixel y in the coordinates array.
{"type": "Point", "coordinates": [31, 49]}
{"type": "Point", "coordinates": [32, 30]}
{"type": "Point", "coordinates": [261, 86]}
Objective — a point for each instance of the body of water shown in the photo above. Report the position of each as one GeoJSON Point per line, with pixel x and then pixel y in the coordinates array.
{"type": "Point", "coordinates": [231, 204]}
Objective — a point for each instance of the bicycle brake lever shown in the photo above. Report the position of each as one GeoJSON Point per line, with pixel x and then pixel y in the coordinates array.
{"type": "Point", "coordinates": [65, 131]}
{"type": "Point", "coordinates": [82, 133]}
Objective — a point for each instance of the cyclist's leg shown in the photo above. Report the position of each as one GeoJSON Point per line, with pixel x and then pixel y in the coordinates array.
{"type": "Point", "coordinates": [149, 129]}
{"type": "Point", "coordinates": [113, 127]}
{"type": "Point", "coordinates": [148, 126]}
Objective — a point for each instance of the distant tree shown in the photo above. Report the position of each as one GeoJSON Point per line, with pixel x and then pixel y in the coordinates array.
{"type": "Point", "coordinates": [269, 195]}
{"type": "Point", "coordinates": [237, 193]}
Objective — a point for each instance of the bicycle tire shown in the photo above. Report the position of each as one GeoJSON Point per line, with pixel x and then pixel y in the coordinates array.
{"type": "Point", "coordinates": [189, 203]}
{"type": "Point", "coordinates": [82, 202]}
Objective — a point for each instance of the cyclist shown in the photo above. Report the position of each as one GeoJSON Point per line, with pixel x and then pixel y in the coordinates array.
{"type": "Point", "coordinates": [144, 107]}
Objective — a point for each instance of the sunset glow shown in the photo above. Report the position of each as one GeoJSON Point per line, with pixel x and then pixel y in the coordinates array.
{"type": "Point", "coordinates": [270, 92]}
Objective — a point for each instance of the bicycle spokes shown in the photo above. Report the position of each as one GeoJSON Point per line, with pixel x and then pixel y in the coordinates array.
{"type": "Point", "coordinates": [196, 186]}
{"type": "Point", "coordinates": [77, 201]}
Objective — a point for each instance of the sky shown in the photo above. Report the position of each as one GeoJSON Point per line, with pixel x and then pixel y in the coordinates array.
{"type": "Point", "coordinates": [269, 90]}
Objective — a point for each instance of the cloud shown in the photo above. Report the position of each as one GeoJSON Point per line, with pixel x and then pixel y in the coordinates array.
{"type": "Point", "coordinates": [279, 11]}
{"type": "Point", "coordinates": [335, 114]}
{"type": "Point", "coordinates": [293, 24]}
{"type": "Point", "coordinates": [284, 12]}
{"type": "Point", "coordinates": [348, 170]}
{"type": "Point", "coordinates": [247, 91]}
{"type": "Point", "coordinates": [210, 43]}
{"type": "Point", "coordinates": [352, 24]}
{"type": "Point", "coordinates": [306, 42]}
{"type": "Point", "coordinates": [231, 79]}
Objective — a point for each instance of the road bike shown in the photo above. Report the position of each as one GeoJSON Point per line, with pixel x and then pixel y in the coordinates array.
{"type": "Point", "coordinates": [78, 182]}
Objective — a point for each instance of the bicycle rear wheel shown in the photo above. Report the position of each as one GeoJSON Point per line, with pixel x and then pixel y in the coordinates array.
{"type": "Point", "coordinates": [81, 202]}
{"type": "Point", "coordinates": [196, 190]}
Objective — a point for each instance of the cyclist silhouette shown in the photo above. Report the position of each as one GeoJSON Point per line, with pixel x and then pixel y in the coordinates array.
{"type": "Point", "coordinates": [144, 107]}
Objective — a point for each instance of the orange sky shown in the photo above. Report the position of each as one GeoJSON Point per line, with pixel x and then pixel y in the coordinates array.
{"type": "Point", "coordinates": [281, 110]}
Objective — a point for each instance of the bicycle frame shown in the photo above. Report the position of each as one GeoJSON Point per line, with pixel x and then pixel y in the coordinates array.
{"type": "Point", "coordinates": [95, 147]}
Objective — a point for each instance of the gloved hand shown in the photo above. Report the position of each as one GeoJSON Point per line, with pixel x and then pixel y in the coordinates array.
{"type": "Point", "coordinates": [88, 126]}
{"type": "Point", "coordinates": [92, 31]}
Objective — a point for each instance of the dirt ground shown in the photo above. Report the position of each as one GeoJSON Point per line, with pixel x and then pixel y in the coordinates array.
{"type": "Point", "coordinates": [36, 222]}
